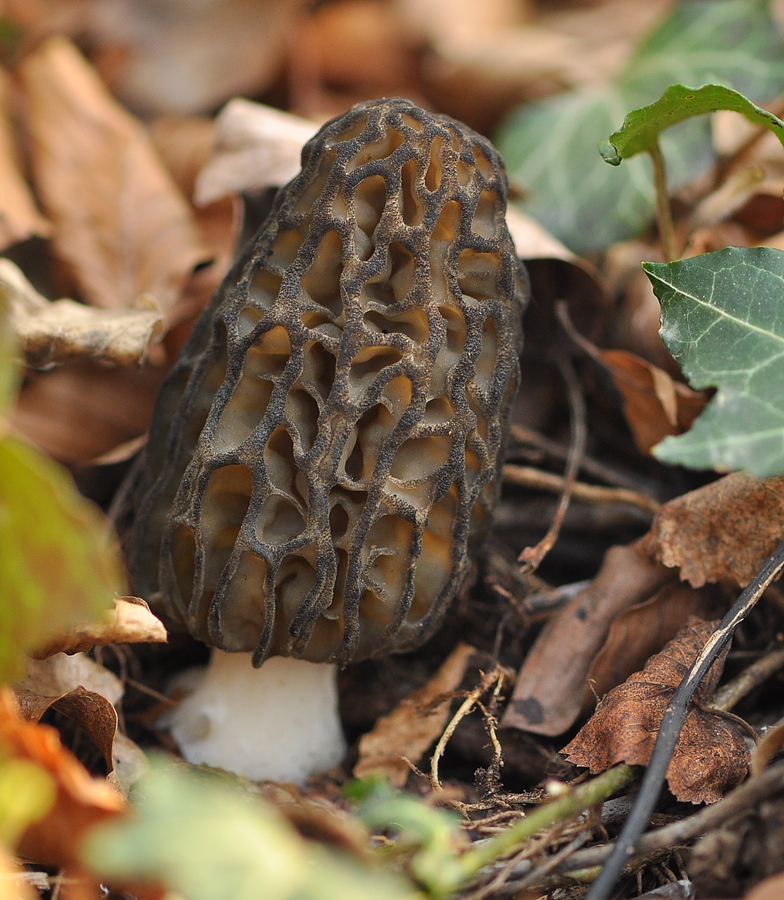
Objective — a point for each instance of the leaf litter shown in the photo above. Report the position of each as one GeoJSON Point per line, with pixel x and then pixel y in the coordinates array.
{"type": "Point", "coordinates": [84, 407]}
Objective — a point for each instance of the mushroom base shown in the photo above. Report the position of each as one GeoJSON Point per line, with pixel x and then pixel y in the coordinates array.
{"type": "Point", "coordinates": [279, 722]}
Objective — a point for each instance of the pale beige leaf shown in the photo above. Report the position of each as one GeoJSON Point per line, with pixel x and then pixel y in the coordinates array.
{"type": "Point", "coordinates": [255, 147]}
{"type": "Point", "coordinates": [52, 332]}
{"type": "Point", "coordinates": [19, 216]}
{"type": "Point", "coordinates": [60, 673]}
{"type": "Point", "coordinates": [130, 622]}
{"type": "Point", "coordinates": [119, 219]}
{"type": "Point", "coordinates": [416, 723]}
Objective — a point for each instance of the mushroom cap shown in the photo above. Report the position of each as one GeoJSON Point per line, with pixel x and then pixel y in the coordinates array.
{"type": "Point", "coordinates": [324, 454]}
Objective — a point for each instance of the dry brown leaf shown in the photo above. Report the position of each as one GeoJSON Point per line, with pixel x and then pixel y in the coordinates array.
{"type": "Point", "coordinates": [711, 754]}
{"type": "Point", "coordinates": [640, 632]}
{"type": "Point", "coordinates": [771, 888]}
{"type": "Point", "coordinates": [366, 45]}
{"type": "Point", "coordinates": [724, 530]}
{"type": "Point", "coordinates": [53, 332]}
{"type": "Point", "coordinates": [119, 220]}
{"type": "Point", "coordinates": [190, 57]}
{"type": "Point", "coordinates": [81, 410]}
{"type": "Point", "coordinates": [129, 622]}
{"type": "Point", "coordinates": [417, 721]}
{"type": "Point", "coordinates": [19, 216]}
{"type": "Point", "coordinates": [81, 801]}
{"type": "Point", "coordinates": [654, 404]}
{"type": "Point", "coordinates": [550, 686]}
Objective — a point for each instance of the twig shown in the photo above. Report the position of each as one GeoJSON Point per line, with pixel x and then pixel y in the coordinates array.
{"type": "Point", "coordinates": [663, 208]}
{"type": "Point", "coordinates": [532, 557]}
{"type": "Point", "coordinates": [527, 476]}
{"type": "Point", "coordinates": [671, 725]}
{"type": "Point", "coordinates": [465, 708]}
{"type": "Point", "coordinates": [526, 437]}
{"type": "Point", "coordinates": [571, 803]}
{"type": "Point", "coordinates": [749, 678]}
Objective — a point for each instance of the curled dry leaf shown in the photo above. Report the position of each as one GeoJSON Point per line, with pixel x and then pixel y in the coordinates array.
{"type": "Point", "coordinates": [119, 219]}
{"type": "Point", "coordinates": [654, 404]}
{"type": "Point", "coordinates": [19, 216]}
{"type": "Point", "coordinates": [711, 755]}
{"type": "Point", "coordinates": [724, 530]}
{"type": "Point", "coordinates": [640, 632]}
{"type": "Point", "coordinates": [53, 332]}
{"type": "Point", "coordinates": [80, 802]}
{"type": "Point", "coordinates": [550, 686]}
{"type": "Point", "coordinates": [415, 724]}
{"type": "Point", "coordinates": [77, 687]}
{"type": "Point", "coordinates": [130, 622]}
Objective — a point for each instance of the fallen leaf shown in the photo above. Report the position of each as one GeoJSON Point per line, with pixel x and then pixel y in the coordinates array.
{"type": "Point", "coordinates": [80, 801]}
{"type": "Point", "coordinates": [53, 332]}
{"type": "Point", "coordinates": [724, 530]}
{"type": "Point", "coordinates": [550, 686]}
{"type": "Point", "coordinates": [415, 724]}
{"type": "Point", "coordinates": [81, 410]}
{"type": "Point", "coordinates": [640, 632]}
{"type": "Point", "coordinates": [19, 216]}
{"type": "Point", "coordinates": [711, 754]}
{"type": "Point", "coordinates": [256, 146]}
{"type": "Point", "coordinates": [120, 221]}
{"type": "Point", "coordinates": [59, 674]}
{"type": "Point", "coordinates": [77, 687]}
{"type": "Point", "coordinates": [654, 404]}
{"type": "Point", "coordinates": [190, 58]}
{"type": "Point", "coordinates": [129, 622]}
{"type": "Point", "coordinates": [771, 888]}
{"type": "Point", "coordinates": [767, 747]}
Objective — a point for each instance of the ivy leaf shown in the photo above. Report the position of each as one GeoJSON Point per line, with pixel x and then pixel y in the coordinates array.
{"type": "Point", "coordinates": [550, 146]}
{"type": "Point", "coordinates": [642, 127]}
{"type": "Point", "coordinates": [723, 320]}
{"type": "Point", "coordinates": [58, 567]}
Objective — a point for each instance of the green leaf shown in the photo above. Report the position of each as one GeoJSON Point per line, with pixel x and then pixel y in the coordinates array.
{"type": "Point", "coordinates": [58, 566]}
{"type": "Point", "coordinates": [429, 838]}
{"type": "Point", "coordinates": [723, 320]}
{"type": "Point", "coordinates": [550, 146]}
{"type": "Point", "coordinates": [9, 364]}
{"type": "Point", "coordinates": [203, 837]}
{"type": "Point", "coordinates": [569, 189]}
{"type": "Point", "coordinates": [27, 793]}
{"type": "Point", "coordinates": [642, 127]}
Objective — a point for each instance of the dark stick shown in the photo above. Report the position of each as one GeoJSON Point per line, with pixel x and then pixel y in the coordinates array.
{"type": "Point", "coordinates": [671, 725]}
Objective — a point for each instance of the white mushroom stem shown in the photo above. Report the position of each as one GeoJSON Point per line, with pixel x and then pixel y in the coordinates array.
{"type": "Point", "coordinates": [279, 722]}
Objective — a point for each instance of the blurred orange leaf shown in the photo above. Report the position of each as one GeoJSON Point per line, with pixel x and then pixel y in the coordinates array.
{"type": "Point", "coordinates": [81, 800]}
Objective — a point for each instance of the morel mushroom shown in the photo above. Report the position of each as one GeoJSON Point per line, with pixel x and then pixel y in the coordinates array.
{"type": "Point", "coordinates": [324, 455]}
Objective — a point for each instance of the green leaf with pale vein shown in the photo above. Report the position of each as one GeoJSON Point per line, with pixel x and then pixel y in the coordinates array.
{"type": "Point", "coordinates": [723, 320]}
{"type": "Point", "coordinates": [551, 146]}
{"type": "Point", "coordinates": [642, 128]}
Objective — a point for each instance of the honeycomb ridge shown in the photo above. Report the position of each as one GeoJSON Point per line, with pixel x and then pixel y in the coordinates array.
{"type": "Point", "coordinates": [324, 455]}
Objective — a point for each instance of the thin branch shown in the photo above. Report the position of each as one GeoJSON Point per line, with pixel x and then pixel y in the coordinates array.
{"type": "Point", "coordinates": [527, 476]}
{"type": "Point", "coordinates": [671, 725]}
{"type": "Point", "coordinates": [663, 208]}
{"type": "Point", "coordinates": [532, 557]}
